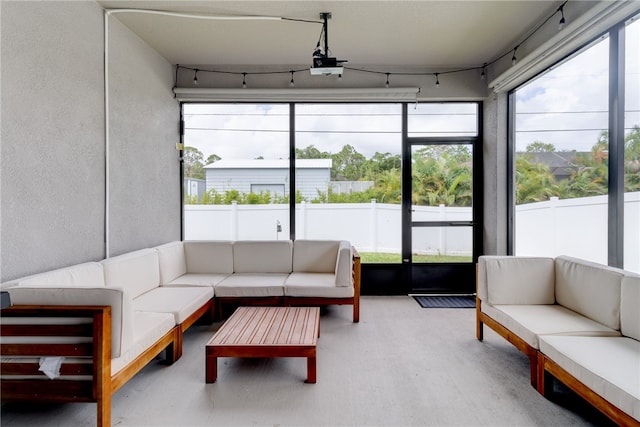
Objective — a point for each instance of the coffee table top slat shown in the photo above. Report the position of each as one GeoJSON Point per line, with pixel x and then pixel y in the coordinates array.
{"type": "Point", "coordinates": [270, 326]}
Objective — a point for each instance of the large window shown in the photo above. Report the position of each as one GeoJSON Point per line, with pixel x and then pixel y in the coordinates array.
{"type": "Point", "coordinates": [561, 145]}
{"type": "Point", "coordinates": [238, 153]}
{"type": "Point", "coordinates": [348, 158]}
{"type": "Point", "coordinates": [632, 148]}
{"type": "Point", "coordinates": [347, 179]}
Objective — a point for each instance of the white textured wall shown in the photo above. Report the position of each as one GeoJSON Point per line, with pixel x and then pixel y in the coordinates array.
{"type": "Point", "coordinates": [144, 183]}
{"type": "Point", "coordinates": [52, 137]}
{"type": "Point", "coordinates": [52, 149]}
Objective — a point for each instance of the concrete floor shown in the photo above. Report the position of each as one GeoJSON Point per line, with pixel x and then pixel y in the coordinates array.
{"type": "Point", "coordinates": [402, 365]}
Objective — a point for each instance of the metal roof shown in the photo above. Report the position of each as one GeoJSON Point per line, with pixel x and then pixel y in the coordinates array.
{"type": "Point", "coordinates": [269, 164]}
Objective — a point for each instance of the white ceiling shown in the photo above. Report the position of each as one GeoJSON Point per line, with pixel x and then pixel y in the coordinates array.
{"type": "Point", "coordinates": [433, 34]}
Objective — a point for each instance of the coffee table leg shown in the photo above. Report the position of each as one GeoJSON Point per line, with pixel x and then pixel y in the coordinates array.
{"type": "Point", "coordinates": [211, 369]}
{"type": "Point", "coordinates": [311, 370]}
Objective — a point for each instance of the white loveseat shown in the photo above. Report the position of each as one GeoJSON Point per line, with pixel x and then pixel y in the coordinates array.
{"type": "Point", "coordinates": [116, 315]}
{"type": "Point", "coordinates": [577, 321]}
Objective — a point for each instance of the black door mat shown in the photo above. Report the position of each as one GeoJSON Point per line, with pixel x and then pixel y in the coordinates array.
{"type": "Point", "coordinates": [446, 301]}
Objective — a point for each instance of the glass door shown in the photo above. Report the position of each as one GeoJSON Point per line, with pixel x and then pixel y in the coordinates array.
{"type": "Point", "coordinates": [441, 241]}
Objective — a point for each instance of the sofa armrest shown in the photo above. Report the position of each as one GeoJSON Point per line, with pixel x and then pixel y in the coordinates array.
{"type": "Point", "coordinates": [344, 264]}
{"type": "Point", "coordinates": [23, 341]}
{"type": "Point", "coordinates": [118, 299]}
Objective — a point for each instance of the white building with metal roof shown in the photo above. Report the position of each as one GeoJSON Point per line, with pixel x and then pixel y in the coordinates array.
{"type": "Point", "coordinates": [256, 176]}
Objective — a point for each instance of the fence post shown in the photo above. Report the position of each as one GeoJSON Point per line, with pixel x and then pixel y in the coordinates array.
{"type": "Point", "coordinates": [303, 220]}
{"type": "Point", "coordinates": [553, 205]}
{"type": "Point", "coordinates": [234, 220]}
{"type": "Point", "coordinates": [373, 225]}
{"type": "Point", "coordinates": [442, 231]}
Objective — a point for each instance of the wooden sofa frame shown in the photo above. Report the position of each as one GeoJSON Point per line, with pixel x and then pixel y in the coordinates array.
{"type": "Point", "coordinates": [548, 369]}
{"type": "Point", "coordinates": [102, 384]}
{"type": "Point", "coordinates": [543, 369]}
{"type": "Point", "coordinates": [303, 301]}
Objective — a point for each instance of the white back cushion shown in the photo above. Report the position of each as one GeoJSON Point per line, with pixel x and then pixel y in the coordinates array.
{"type": "Point", "coordinates": [209, 257]}
{"type": "Point", "coordinates": [118, 299]}
{"type": "Point", "coordinates": [315, 256]}
{"type": "Point", "coordinates": [172, 262]}
{"type": "Point", "coordinates": [590, 289]}
{"type": "Point", "coordinates": [257, 256]}
{"type": "Point", "coordinates": [137, 272]}
{"type": "Point", "coordinates": [517, 280]}
{"type": "Point", "coordinates": [88, 274]}
{"type": "Point", "coordinates": [630, 306]}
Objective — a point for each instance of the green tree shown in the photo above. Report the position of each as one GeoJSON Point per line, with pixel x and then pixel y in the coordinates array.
{"type": "Point", "coordinates": [212, 159]}
{"type": "Point", "coordinates": [346, 164]}
{"type": "Point", "coordinates": [534, 181]}
{"type": "Point", "coordinates": [540, 147]}
{"type": "Point", "coordinates": [442, 175]}
{"type": "Point", "coordinates": [311, 152]}
{"type": "Point", "coordinates": [192, 163]}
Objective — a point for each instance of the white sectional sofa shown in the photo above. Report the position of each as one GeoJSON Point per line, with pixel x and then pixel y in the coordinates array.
{"type": "Point", "coordinates": [300, 272]}
{"type": "Point", "coordinates": [576, 320]}
{"type": "Point", "coordinates": [118, 314]}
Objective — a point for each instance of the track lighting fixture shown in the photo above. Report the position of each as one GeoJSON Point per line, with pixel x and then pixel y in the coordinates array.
{"type": "Point", "coordinates": [244, 80]}
{"type": "Point", "coordinates": [562, 20]}
{"type": "Point", "coordinates": [387, 83]}
{"type": "Point", "coordinates": [292, 83]}
{"type": "Point", "coordinates": [437, 80]}
{"type": "Point", "coordinates": [483, 74]}
{"type": "Point", "coordinates": [195, 77]}
{"type": "Point", "coordinates": [513, 58]}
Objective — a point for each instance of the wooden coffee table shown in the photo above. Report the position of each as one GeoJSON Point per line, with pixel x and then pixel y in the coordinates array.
{"type": "Point", "coordinates": [266, 332]}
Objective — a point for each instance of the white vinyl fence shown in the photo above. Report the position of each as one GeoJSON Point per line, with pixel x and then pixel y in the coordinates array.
{"type": "Point", "coordinates": [576, 227]}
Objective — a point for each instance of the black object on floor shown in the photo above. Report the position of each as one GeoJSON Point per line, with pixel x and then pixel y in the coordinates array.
{"type": "Point", "coordinates": [446, 301]}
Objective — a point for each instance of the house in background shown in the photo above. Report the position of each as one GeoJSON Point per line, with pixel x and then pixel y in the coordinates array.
{"type": "Point", "coordinates": [194, 187]}
{"type": "Point", "coordinates": [259, 176]}
{"type": "Point", "coordinates": [561, 163]}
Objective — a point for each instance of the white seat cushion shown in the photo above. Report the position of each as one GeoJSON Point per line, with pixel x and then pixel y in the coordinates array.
{"type": "Point", "coordinates": [148, 328]}
{"type": "Point", "coordinates": [181, 302]}
{"type": "Point", "coordinates": [320, 285]}
{"type": "Point", "coordinates": [189, 279]}
{"type": "Point", "coordinates": [609, 366]}
{"type": "Point", "coordinates": [530, 321]}
{"type": "Point", "coordinates": [252, 285]}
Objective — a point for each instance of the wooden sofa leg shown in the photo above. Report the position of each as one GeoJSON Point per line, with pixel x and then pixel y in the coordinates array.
{"type": "Point", "coordinates": [479, 324]}
{"type": "Point", "coordinates": [104, 411]}
{"type": "Point", "coordinates": [533, 367]}
{"type": "Point", "coordinates": [174, 350]}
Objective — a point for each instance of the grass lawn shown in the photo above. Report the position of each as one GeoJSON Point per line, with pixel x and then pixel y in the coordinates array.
{"type": "Point", "coordinates": [380, 257]}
